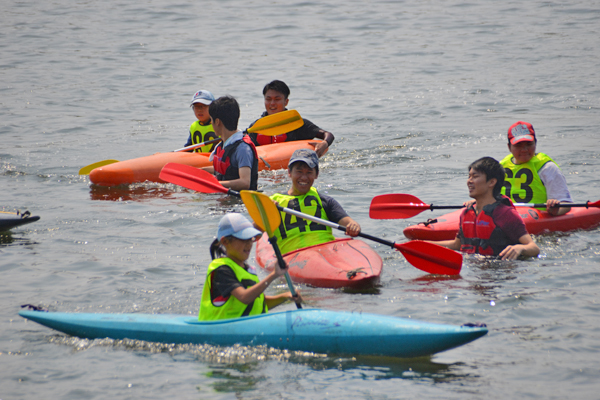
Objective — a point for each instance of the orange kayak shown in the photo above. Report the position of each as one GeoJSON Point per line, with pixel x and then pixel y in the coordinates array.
{"type": "Point", "coordinates": [341, 263]}
{"type": "Point", "coordinates": [536, 222]}
{"type": "Point", "coordinates": [270, 157]}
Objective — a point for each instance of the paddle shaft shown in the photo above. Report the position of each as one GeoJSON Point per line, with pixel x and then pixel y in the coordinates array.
{"type": "Point", "coordinates": [322, 222]}
{"type": "Point", "coordinates": [195, 146]}
{"type": "Point", "coordinates": [539, 205]}
{"type": "Point", "coordinates": [400, 205]}
{"type": "Point", "coordinates": [283, 265]}
{"type": "Point", "coordinates": [533, 205]}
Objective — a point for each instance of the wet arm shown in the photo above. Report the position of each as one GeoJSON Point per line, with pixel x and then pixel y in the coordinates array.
{"type": "Point", "coordinates": [527, 247]}
{"type": "Point", "coordinates": [243, 183]}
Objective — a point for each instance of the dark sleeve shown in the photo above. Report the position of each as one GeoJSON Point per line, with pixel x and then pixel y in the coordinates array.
{"type": "Point", "coordinates": [307, 131]}
{"type": "Point", "coordinates": [189, 141]}
{"type": "Point", "coordinates": [332, 208]}
{"type": "Point", "coordinates": [511, 223]}
{"type": "Point", "coordinates": [224, 281]}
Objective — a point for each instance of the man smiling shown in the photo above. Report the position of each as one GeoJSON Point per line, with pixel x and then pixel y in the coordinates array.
{"type": "Point", "coordinates": [491, 226]}
{"type": "Point", "coordinates": [276, 95]}
{"type": "Point", "coordinates": [296, 233]}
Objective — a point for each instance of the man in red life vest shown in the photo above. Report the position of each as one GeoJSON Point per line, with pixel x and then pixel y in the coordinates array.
{"type": "Point", "coordinates": [276, 95]}
{"type": "Point", "coordinates": [235, 161]}
{"type": "Point", "coordinates": [491, 226]}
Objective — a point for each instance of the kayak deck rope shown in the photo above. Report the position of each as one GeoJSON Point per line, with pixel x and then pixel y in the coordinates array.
{"type": "Point", "coordinates": [352, 273]}
{"type": "Point", "coordinates": [428, 222]}
{"type": "Point", "coordinates": [31, 307]}
{"type": "Point", "coordinates": [474, 325]}
{"type": "Point", "coordinates": [24, 215]}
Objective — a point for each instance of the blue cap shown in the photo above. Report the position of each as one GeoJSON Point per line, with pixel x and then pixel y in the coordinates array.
{"type": "Point", "coordinates": [236, 225]}
{"type": "Point", "coordinates": [204, 97]}
{"type": "Point", "coordinates": [306, 155]}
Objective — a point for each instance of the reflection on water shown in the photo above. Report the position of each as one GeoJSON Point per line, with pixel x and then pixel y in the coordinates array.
{"type": "Point", "coordinates": [8, 239]}
{"type": "Point", "coordinates": [131, 193]}
{"type": "Point", "coordinates": [433, 283]}
{"type": "Point", "coordinates": [234, 365]}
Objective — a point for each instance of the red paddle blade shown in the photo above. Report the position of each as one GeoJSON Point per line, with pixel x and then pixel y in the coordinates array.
{"type": "Point", "coordinates": [191, 178]}
{"type": "Point", "coordinates": [396, 206]}
{"type": "Point", "coordinates": [594, 204]}
{"type": "Point", "coordinates": [431, 258]}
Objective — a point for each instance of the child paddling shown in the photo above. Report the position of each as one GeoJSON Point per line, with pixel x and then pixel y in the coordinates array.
{"type": "Point", "coordinates": [232, 289]}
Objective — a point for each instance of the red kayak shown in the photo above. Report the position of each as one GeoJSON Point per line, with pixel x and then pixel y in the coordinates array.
{"type": "Point", "coordinates": [341, 263]}
{"type": "Point", "coordinates": [270, 157]}
{"type": "Point", "coordinates": [536, 221]}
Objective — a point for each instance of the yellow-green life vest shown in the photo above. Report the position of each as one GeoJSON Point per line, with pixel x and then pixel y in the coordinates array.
{"type": "Point", "coordinates": [202, 133]}
{"type": "Point", "coordinates": [522, 182]}
{"type": "Point", "coordinates": [296, 233]}
{"type": "Point", "coordinates": [230, 307]}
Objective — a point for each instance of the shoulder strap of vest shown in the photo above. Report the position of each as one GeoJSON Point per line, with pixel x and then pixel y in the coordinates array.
{"type": "Point", "coordinates": [231, 147]}
{"type": "Point", "coordinates": [489, 209]}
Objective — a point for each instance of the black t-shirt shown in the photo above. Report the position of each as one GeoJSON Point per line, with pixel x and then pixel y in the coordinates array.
{"type": "Point", "coordinates": [308, 131]}
{"type": "Point", "coordinates": [332, 208]}
{"type": "Point", "coordinates": [224, 282]}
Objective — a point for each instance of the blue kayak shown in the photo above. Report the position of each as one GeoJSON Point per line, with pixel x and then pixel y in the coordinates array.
{"type": "Point", "coordinates": [312, 330]}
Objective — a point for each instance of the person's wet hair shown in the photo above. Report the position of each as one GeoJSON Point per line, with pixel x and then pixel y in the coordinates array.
{"type": "Point", "coordinates": [492, 169]}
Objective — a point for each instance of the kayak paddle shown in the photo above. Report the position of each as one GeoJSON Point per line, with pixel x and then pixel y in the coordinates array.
{"type": "Point", "coordinates": [277, 124]}
{"type": "Point", "coordinates": [429, 257]}
{"type": "Point", "coordinates": [400, 206]}
{"type": "Point", "coordinates": [265, 214]}
{"type": "Point", "coordinates": [195, 146]}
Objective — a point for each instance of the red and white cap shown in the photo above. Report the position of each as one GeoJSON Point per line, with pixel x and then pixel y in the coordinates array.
{"type": "Point", "coordinates": [521, 132]}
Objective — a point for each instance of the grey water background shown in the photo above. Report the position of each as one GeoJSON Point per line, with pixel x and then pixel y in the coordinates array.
{"type": "Point", "coordinates": [413, 91]}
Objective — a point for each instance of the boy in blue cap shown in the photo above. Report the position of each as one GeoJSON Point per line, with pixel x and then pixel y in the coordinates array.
{"type": "Point", "coordinates": [202, 131]}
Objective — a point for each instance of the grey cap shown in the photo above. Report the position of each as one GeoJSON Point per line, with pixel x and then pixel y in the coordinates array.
{"type": "Point", "coordinates": [306, 155]}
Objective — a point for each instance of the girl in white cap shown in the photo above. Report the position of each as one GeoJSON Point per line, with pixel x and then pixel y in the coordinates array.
{"type": "Point", "coordinates": [232, 289]}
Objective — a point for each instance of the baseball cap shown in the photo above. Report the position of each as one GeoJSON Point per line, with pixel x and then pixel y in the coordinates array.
{"type": "Point", "coordinates": [204, 97]}
{"type": "Point", "coordinates": [306, 155]}
{"type": "Point", "coordinates": [521, 132]}
{"type": "Point", "coordinates": [234, 224]}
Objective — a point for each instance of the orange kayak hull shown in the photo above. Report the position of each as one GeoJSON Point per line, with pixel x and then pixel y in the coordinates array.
{"type": "Point", "coordinates": [271, 157]}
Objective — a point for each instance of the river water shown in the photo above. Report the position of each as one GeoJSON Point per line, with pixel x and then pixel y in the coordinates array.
{"type": "Point", "coordinates": [413, 91]}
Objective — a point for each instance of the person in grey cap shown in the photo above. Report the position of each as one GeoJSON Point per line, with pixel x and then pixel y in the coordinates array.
{"type": "Point", "coordinates": [202, 130]}
{"type": "Point", "coordinates": [296, 233]}
{"type": "Point", "coordinates": [232, 289]}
